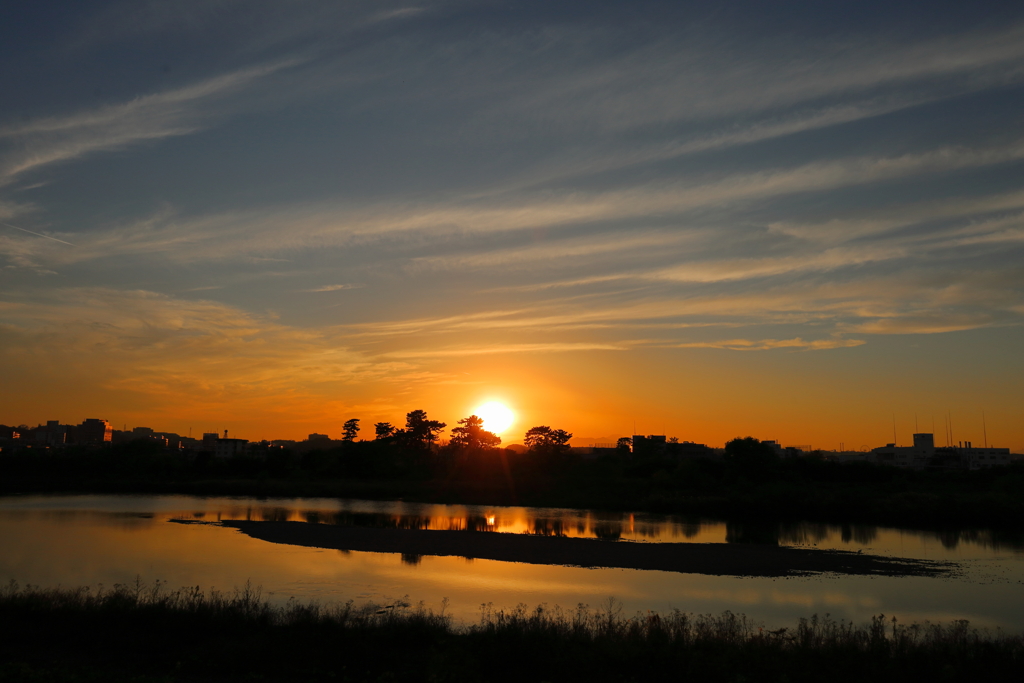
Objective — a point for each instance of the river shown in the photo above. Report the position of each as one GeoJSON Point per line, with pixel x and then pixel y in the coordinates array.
{"type": "Point", "coordinates": [101, 540]}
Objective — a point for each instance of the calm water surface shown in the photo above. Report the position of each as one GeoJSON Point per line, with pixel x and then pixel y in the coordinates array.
{"type": "Point", "coordinates": [93, 540]}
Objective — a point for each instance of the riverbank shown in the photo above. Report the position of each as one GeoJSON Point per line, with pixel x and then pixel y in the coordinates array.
{"type": "Point", "coordinates": [141, 633]}
{"type": "Point", "coordinates": [692, 558]}
{"type": "Point", "coordinates": [784, 490]}
{"type": "Point", "coordinates": [943, 506]}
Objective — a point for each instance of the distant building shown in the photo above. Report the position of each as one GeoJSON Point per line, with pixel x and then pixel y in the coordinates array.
{"type": "Point", "coordinates": [918, 456]}
{"type": "Point", "coordinates": [982, 458]}
{"type": "Point", "coordinates": [650, 445]}
{"type": "Point", "coordinates": [924, 454]}
{"type": "Point", "coordinates": [54, 434]}
{"type": "Point", "coordinates": [659, 445]}
{"type": "Point", "coordinates": [9, 439]}
{"type": "Point", "coordinates": [210, 440]}
{"type": "Point", "coordinates": [318, 437]}
{"type": "Point", "coordinates": [189, 444]}
{"type": "Point", "coordinates": [94, 431]}
{"type": "Point", "coordinates": [228, 448]}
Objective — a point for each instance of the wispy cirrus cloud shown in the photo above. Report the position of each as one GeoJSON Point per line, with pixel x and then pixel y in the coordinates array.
{"type": "Point", "coordinates": [335, 288]}
{"type": "Point", "coordinates": [769, 344]}
{"type": "Point", "coordinates": [245, 234]}
{"type": "Point", "coordinates": [180, 351]}
{"type": "Point", "coordinates": [491, 349]}
{"type": "Point", "coordinates": [707, 76]}
{"type": "Point", "coordinates": [268, 24]}
{"type": "Point", "coordinates": [906, 300]}
{"type": "Point", "coordinates": [577, 247]}
{"type": "Point", "coordinates": [165, 114]}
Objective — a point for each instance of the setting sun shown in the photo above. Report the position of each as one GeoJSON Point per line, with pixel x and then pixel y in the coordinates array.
{"type": "Point", "coordinates": [497, 416]}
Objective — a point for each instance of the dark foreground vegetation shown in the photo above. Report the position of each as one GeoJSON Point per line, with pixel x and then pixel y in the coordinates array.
{"type": "Point", "coordinates": [139, 633]}
{"type": "Point", "coordinates": [747, 483]}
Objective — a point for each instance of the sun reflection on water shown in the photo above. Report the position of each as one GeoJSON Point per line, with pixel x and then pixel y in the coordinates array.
{"type": "Point", "coordinates": [88, 540]}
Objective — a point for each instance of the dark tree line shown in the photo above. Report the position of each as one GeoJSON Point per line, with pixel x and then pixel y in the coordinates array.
{"type": "Point", "coordinates": [748, 480]}
{"type": "Point", "coordinates": [420, 432]}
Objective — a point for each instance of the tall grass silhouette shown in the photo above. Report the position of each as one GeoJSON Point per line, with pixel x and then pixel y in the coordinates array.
{"type": "Point", "coordinates": [146, 632]}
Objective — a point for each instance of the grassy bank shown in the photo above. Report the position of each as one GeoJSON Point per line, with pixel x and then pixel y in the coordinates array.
{"type": "Point", "coordinates": [141, 633]}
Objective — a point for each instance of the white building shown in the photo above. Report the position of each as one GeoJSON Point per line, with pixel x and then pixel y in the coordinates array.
{"type": "Point", "coordinates": [924, 454]}
{"type": "Point", "coordinates": [983, 458]}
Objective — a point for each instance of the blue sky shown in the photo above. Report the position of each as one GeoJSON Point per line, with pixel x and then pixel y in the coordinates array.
{"type": "Point", "coordinates": [247, 212]}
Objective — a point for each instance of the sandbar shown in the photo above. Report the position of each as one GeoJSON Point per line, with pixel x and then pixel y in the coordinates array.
{"type": "Point", "coordinates": [721, 559]}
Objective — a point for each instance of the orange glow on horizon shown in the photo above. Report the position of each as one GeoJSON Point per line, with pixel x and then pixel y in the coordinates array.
{"type": "Point", "coordinates": [596, 396]}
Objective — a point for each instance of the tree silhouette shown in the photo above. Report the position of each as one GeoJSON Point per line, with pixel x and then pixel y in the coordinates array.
{"type": "Point", "coordinates": [350, 429]}
{"type": "Point", "coordinates": [547, 440]}
{"type": "Point", "coordinates": [625, 443]}
{"type": "Point", "coordinates": [383, 430]}
{"type": "Point", "coordinates": [750, 454]}
{"type": "Point", "coordinates": [419, 431]}
{"type": "Point", "coordinates": [473, 435]}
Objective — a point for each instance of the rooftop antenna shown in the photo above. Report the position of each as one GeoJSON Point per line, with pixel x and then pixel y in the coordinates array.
{"type": "Point", "coordinates": [984, 428]}
{"type": "Point", "coordinates": [894, 429]}
{"type": "Point", "coordinates": [950, 414]}
{"type": "Point", "coordinates": [916, 428]}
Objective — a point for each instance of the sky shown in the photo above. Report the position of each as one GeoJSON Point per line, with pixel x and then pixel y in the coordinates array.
{"type": "Point", "coordinates": [799, 221]}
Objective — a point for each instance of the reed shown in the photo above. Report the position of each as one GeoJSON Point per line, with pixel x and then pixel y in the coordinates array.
{"type": "Point", "coordinates": [146, 632]}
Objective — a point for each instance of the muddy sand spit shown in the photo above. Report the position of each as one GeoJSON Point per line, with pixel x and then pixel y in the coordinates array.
{"type": "Point", "coordinates": [691, 558]}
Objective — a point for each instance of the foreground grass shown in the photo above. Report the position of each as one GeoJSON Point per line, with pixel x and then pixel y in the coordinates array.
{"type": "Point", "coordinates": [140, 633]}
